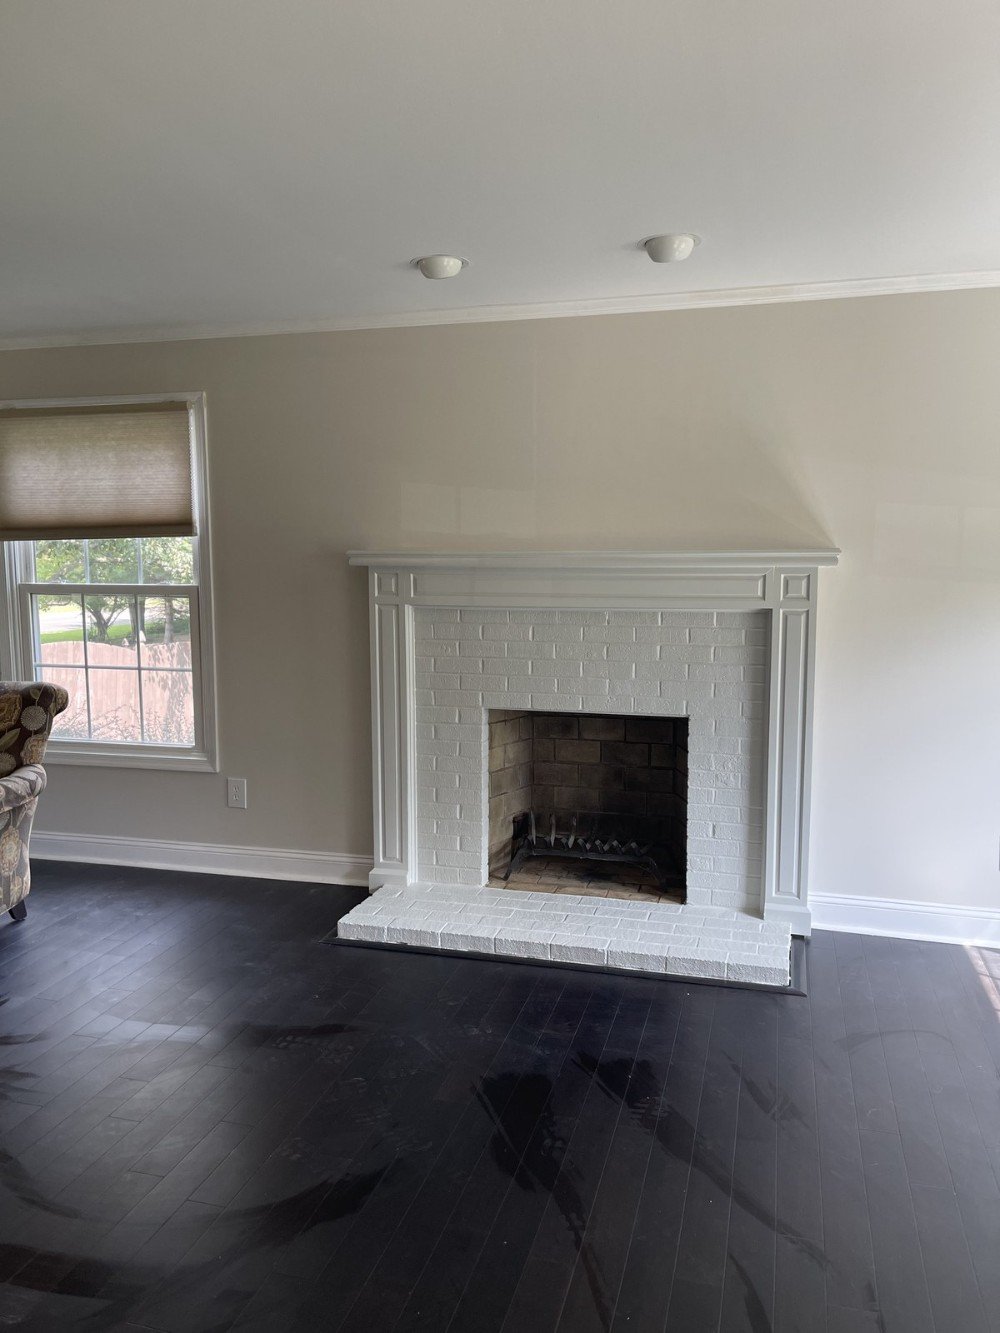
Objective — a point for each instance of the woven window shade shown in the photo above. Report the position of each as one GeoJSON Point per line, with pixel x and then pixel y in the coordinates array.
{"type": "Point", "coordinates": [95, 472]}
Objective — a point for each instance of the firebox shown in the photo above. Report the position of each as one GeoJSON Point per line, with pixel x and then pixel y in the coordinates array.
{"type": "Point", "coordinates": [602, 788]}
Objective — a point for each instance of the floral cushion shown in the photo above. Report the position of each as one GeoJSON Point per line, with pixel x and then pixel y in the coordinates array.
{"type": "Point", "coordinates": [27, 711]}
{"type": "Point", "coordinates": [18, 799]}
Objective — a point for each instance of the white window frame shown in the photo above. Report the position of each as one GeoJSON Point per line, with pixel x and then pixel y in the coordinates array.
{"type": "Point", "coordinates": [16, 642]}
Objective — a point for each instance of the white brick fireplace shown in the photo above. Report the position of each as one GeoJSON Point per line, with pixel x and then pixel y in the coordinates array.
{"type": "Point", "coordinates": [724, 639]}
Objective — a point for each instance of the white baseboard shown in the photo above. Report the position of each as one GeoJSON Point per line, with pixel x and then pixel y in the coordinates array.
{"type": "Point", "coordinates": [209, 858]}
{"type": "Point", "coordinates": [906, 920]}
{"type": "Point", "coordinates": [830, 911]}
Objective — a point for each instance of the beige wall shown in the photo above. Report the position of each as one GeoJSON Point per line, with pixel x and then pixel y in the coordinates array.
{"type": "Point", "coordinates": [870, 424]}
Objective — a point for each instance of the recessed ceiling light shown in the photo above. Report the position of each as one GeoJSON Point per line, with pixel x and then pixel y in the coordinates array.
{"type": "Point", "coordinates": [670, 248]}
{"type": "Point", "coordinates": [440, 266]}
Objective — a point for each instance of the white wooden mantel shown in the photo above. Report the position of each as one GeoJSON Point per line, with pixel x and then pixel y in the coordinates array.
{"type": "Point", "coordinates": [781, 583]}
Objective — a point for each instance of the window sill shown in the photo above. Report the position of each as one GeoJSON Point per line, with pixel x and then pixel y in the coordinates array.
{"type": "Point", "coordinates": [128, 756]}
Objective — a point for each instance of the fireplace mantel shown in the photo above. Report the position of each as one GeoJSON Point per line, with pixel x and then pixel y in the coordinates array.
{"type": "Point", "coordinates": [781, 583]}
{"type": "Point", "coordinates": [607, 560]}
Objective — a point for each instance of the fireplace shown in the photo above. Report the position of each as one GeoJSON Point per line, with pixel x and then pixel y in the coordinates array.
{"type": "Point", "coordinates": [600, 791]}
{"type": "Point", "coordinates": [501, 684]}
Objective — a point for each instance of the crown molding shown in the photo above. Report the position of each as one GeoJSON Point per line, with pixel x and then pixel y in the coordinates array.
{"type": "Point", "coordinates": [787, 293]}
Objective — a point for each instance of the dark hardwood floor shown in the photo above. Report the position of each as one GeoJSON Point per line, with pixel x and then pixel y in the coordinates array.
{"type": "Point", "coordinates": [211, 1120]}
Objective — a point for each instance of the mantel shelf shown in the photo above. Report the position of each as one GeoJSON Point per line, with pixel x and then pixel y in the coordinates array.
{"type": "Point", "coordinates": [609, 561]}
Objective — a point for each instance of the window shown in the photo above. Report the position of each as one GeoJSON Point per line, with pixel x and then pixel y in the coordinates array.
{"type": "Point", "coordinates": [107, 580]}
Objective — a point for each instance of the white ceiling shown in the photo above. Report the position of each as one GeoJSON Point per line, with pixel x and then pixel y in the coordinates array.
{"type": "Point", "coordinates": [207, 165]}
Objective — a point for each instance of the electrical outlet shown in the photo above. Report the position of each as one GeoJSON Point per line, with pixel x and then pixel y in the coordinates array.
{"type": "Point", "coordinates": [236, 793]}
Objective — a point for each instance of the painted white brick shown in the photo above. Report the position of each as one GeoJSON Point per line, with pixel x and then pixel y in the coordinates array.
{"type": "Point", "coordinates": [447, 731]}
{"type": "Point", "coordinates": [468, 940]}
{"type": "Point", "coordinates": [440, 842]}
{"type": "Point", "coordinates": [597, 700]}
{"type": "Point", "coordinates": [373, 932]}
{"type": "Point", "coordinates": [741, 656]}
{"type": "Point", "coordinates": [717, 673]}
{"type": "Point", "coordinates": [581, 652]}
{"type": "Point", "coordinates": [610, 634]}
{"type": "Point", "coordinates": [728, 745]}
{"type": "Point", "coordinates": [506, 633]}
{"type": "Point", "coordinates": [646, 702]}
{"type": "Point", "coordinates": [632, 652]}
{"type": "Point", "coordinates": [719, 638]}
{"type": "Point", "coordinates": [634, 958]}
{"type": "Point", "coordinates": [521, 667]}
{"type": "Point", "coordinates": [481, 649]}
{"type": "Point", "coordinates": [416, 936]}
{"type": "Point", "coordinates": [665, 635]}
{"type": "Point", "coordinates": [558, 634]}
{"type": "Point", "coordinates": [735, 900]}
{"type": "Point", "coordinates": [451, 827]}
{"type": "Point", "coordinates": [674, 700]}
{"type": "Point", "coordinates": [595, 674]}
{"type": "Point", "coordinates": [531, 648]}
{"type": "Point", "coordinates": [440, 809]}
{"type": "Point", "coordinates": [696, 962]}
{"type": "Point", "coordinates": [662, 671]}
{"type": "Point", "coordinates": [466, 700]}
{"type": "Point", "coordinates": [461, 860]}
{"type": "Point", "coordinates": [567, 948]}
{"type": "Point", "coordinates": [433, 713]}
{"type": "Point", "coordinates": [690, 618]}
{"type": "Point", "coordinates": [543, 685]}
{"type": "Point", "coordinates": [516, 943]}
{"type": "Point", "coordinates": [692, 941]}
{"type": "Point", "coordinates": [454, 764]}
{"type": "Point", "coordinates": [748, 967]}
{"type": "Point", "coordinates": [633, 617]}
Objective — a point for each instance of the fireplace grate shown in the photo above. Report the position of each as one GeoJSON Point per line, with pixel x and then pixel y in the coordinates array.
{"type": "Point", "coordinates": [602, 838]}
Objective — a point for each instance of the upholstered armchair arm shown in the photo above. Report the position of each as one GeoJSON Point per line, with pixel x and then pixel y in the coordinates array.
{"type": "Point", "coordinates": [18, 799]}
{"type": "Point", "coordinates": [21, 786]}
{"type": "Point", "coordinates": [27, 710]}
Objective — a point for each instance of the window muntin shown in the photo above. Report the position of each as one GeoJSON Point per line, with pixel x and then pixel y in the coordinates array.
{"type": "Point", "coordinates": [124, 654]}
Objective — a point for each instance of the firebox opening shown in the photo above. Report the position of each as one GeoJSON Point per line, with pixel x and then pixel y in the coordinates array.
{"type": "Point", "coordinates": [589, 798]}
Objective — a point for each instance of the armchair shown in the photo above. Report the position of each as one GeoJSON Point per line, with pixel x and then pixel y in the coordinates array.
{"type": "Point", "coordinates": [27, 711]}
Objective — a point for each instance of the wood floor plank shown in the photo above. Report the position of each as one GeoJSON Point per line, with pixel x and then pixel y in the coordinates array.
{"type": "Point", "coordinates": [212, 1118]}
